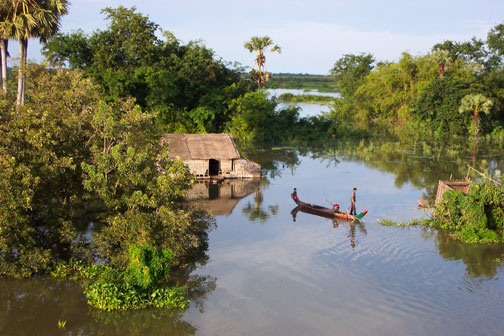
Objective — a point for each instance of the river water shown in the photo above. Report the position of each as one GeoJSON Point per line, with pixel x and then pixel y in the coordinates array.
{"type": "Point", "coordinates": [306, 109]}
{"type": "Point", "coordinates": [269, 273]}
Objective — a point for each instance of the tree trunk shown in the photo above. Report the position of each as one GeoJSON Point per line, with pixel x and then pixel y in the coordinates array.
{"type": "Point", "coordinates": [475, 122]}
{"type": "Point", "coordinates": [3, 51]}
{"type": "Point", "coordinates": [259, 67]}
{"type": "Point", "coordinates": [442, 69]}
{"type": "Point", "coordinates": [23, 46]}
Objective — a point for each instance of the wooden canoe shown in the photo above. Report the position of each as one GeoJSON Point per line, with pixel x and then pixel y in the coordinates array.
{"type": "Point", "coordinates": [326, 212]}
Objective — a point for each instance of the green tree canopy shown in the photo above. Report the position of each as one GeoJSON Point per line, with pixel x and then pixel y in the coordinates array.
{"type": "Point", "coordinates": [70, 159]}
{"type": "Point", "coordinates": [350, 71]}
{"type": "Point", "coordinates": [186, 85]}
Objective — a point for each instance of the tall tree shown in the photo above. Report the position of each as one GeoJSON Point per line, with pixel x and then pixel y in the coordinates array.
{"type": "Point", "coordinates": [25, 19]}
{"type": "Point", "coordinates": [259, 44]}
{"type": "Point", "coordinates": [4, 40]}
{"type": "Point", "coordinates": [475, 103]}
{"type": "Point", "coordinates": [3, 61]}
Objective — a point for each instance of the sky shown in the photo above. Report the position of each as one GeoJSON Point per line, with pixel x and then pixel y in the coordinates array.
{"type": "Point", "coordinates": [313, 34]}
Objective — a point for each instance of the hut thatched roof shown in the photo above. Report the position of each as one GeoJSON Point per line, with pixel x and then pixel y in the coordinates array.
{"type": "Point", "coordinates": [202, 146]}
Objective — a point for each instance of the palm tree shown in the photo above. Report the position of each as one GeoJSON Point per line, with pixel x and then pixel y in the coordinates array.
{"type": "Point", "coordinates": [475, 103]}
{"type": "Point", "coordinates": [17, 23]}
{"type": "Point", "coordinates": [442, 59]}
{"type": "Point", "coordinates": [3, 61]}
{"type": "Point", "coordinates": [259, 44]}
{"type": "Point", "coordinates": [24, 19]}
{"type": "Point", "coordinates": [4, 40]}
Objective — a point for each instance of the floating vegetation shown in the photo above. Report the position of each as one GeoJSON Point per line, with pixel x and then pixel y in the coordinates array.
{"type": "Point", "coordinates": [412, 223]}
{"type": "Point", "coordinates": [141, 285]}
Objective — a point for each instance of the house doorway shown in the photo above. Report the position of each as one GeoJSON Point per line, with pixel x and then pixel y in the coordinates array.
{"type": "Point", "coordinates": [213, 167]}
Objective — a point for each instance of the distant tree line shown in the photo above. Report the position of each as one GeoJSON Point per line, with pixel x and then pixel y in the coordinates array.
{"type": "Point", "coordinates": [425, 93]}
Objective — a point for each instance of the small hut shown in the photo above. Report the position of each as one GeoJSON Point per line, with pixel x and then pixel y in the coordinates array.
{"type": "Point", "coordinates": [211, 156]}
{"type": "Point", "coordinates": [443, 186]}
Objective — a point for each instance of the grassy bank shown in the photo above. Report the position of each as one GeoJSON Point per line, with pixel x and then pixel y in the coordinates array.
{"type": "Point", "coordinates": [302, 82]}
{"type": "Point", "coordinates": [291, 98]}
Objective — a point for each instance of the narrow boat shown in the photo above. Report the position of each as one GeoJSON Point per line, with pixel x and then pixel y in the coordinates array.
{"type": "Point", "coordinates": [326, 212]}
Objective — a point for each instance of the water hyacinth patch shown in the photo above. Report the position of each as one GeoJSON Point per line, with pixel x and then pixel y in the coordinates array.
{"type": "Point", "coordinates": [141, 285]}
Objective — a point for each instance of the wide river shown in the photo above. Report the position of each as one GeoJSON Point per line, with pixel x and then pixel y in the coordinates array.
{"type": "Point", "coordinates": [271, 273]}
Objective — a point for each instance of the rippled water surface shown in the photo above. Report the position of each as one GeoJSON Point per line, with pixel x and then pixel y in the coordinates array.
{"type": "Point", "coordinates": [271, 274]}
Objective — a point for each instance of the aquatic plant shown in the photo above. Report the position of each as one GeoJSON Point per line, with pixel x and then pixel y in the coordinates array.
{"type": "Point", "coordinates": [142, 284]}
{"type": "Point", "coordinates": [474, 217]}
{"type": "Point", "coordinates": [413, 222]}
{"type": "Point", "coordinates": [477, 217]}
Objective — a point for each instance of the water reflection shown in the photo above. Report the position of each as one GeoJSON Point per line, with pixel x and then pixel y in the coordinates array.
{"type": "Point", "coordinates": [255, 212]}
{"type": "Point", "coordinates": [34, 307]}
{"type": "Point", "coordinates": [276, 160]}
{"type": "Point", "coordinates": [481, 260]}
{"type": "Point", "coordinates": [280, 278]}
{"type": "Point", "coordinates": [419, 162]}
{"type": "Point", "coordinates": [351, 233]}
{"type": "Point", "coordinates": [220, 198]}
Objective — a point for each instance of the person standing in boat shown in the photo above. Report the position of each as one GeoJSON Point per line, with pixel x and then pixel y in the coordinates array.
{"type": "Point", "coordinates": [353, 211]}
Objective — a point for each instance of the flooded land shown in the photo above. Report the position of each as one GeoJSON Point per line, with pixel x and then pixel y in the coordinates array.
{"type": "Point", "coordinates": [271, 271]}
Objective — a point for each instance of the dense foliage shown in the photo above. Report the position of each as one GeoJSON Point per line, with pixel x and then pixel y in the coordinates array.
{"type": "Point", "coordinates": [477, 217]}
{"type": "Point", "coordinates": [474, 217]}
{"type": "Point", "coordinates": [255, 119]}
{"type": "Point", "coordinates": [185, 85]}
{"type": "Point", "coordinates": [424, 93]}
{"type": "Point", "coordinates": [141, 285]}
{"type": "Point", "coordinates": [68, 159]}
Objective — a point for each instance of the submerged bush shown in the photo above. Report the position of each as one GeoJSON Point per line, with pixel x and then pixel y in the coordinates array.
{"type": "Point", "coordinates": [474, 217]}
{"type": "Point", "coordinates": [141, 285]}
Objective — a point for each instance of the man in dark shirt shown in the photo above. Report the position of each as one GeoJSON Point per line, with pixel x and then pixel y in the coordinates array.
{"type": "Point", "coordinates": [353, 211]}
{"type": "Point", "coordinates": [294, 194]}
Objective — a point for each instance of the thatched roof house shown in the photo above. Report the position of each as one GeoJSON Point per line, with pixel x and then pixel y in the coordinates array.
{"type": "Point", "coordinates": [211, 155]}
